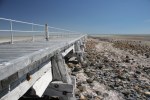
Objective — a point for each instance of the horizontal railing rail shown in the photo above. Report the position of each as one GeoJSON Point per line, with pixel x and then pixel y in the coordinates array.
{"type": "Point", "coordinates": [13, 29]}
{"type": "Point", "coordinates": [20, 22]}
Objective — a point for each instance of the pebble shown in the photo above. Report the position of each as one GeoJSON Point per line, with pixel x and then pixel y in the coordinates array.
{"type": "Point", "coordinates": [105, 95]}
{"type": "Point", "coordinates": [82, 97]}
{"type": "Point", "coordinates": [90, 74]}
{"type": "Point", "coordinates": [76, 69]}
{"type": "Point", "coordinates": [147, 94]}
{"type": "Point", "coordinates": [98, 93]}
{"type": "Point", "coordinates": [98, 98]}
{"type": "Point", "coordinates": [82, 88]}
{"type": "Point", "coordinates": [77, 92]}
{"type": "Point", "coordinates": [90, 80]}
{"type": "Point", "coordinates": [70, 65]}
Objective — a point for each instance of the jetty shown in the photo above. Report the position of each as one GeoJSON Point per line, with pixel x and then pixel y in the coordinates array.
{"type": "Point", "coordinates": [32, 62]}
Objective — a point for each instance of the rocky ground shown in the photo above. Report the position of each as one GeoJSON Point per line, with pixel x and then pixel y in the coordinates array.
{"type": "Point", "coordinates": [112, 70]}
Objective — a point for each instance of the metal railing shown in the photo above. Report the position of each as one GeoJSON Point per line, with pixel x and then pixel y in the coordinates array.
{"type": "Point", "coordinates": [14, 30]}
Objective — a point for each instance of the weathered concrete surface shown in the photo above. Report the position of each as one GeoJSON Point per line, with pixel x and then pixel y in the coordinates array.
{"type": "Point", "coordinates": [41, 84]}
{"type": "Point", "coordinates": [21, 58]}
{"type": "Point", "coordinates": [14, 57]}
{"type": "Point", "coordinates": [22, 88]}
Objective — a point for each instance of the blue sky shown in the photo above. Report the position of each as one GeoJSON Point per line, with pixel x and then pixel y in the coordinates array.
{"type": "Point", "coordinates": [87, 16]}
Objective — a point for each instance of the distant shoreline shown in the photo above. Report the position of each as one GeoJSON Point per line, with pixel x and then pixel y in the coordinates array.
{"type": "Point", "coordinates": [119, 34]}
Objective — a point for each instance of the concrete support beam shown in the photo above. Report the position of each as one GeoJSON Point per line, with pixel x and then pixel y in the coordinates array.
{"type": "Point", "coordinates": [24, 86]}
{"type": "Point", "coordinates": [41, 84]}
{"type": "Point", "coordinates": [68, 50]}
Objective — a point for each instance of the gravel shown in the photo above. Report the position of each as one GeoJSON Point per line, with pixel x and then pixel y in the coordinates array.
{"type": "Point", "coordinates": [113, 71]}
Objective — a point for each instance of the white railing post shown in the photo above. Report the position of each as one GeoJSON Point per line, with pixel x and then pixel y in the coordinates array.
{"type": "Point", "coordinates": [32, 34]}
{"type": "Point", "coordinates": [46, 32]}
{"type": "Point", "coordinates": [11, 32]}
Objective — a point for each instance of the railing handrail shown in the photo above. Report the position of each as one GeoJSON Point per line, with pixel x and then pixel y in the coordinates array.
{"type": "Point", "coordinates": [20, 21]}
{"type": "Point", "coordinates": [44, 29]}
{"type": "Point", "coordinates": [19, 31]}
{"type": "Point", "coordinates": [61, 29]}
{"type": "Point", "coordinates": [37, 24]}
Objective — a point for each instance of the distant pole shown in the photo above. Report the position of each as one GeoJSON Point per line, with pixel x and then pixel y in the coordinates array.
{"type": "Point", "coordinates": [46, 32]}
{"type": "Point", "coordinates": [11, 32]}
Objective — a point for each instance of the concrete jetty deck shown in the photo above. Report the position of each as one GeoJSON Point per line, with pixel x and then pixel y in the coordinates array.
{"type": "Point", "coordinates": [23, 57]}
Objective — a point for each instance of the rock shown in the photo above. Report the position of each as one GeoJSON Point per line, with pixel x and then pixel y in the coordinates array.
{"type": "Point", "coordinates": [105, 95]}
{"type": "Point", "coordinates": [72, 58]}
{"type": "Point", "coordinates": [126, 92]}
{"type": "Point", "coordinates": [97, 79]}
{"type": "Point", "coordinates": [90, 74]}
{"type": "Point", "coordinates": [105, 60]}
{"type": "Point", "coordinates": [78, 66]}
{"type": "Point", "coordinates": [81, 77]}
{"type": "Point", "coordinates": [84, 64]}
{"type": "Point", "coordinates": [87, 70]}
{"type": "Point", "coordinates": [82, 97]}
{"type": "Point", "coordinates": [98, 65]}
{"type": "Point", "coordinates": [147, 94]}
{"type": "Point", "coordinates": [147, 55]}
{"type": "Point", "coordinates": [79, 83]}
{"type": "Point", "coordinates": [93, 63]}
{"type": "Point", "coordinates": [70, 65]}
{"type": "Point", "coordinates": [90, 80]}
{"type": "Point", "coordinates": [77, 92]}
{"type": "Point", "coordinates": [89, 96]}
{"type": "Point", "coordinates": [122, 77]}
{"type": "Point", "coordinates": [76, 69]}
{"type": "Point", "coordinates": [92, 84]}
{"type": "Point", "coordinates": [127, 57]}
{"type": "Point", "coordinates": [138, 72]}
{"type": "Point", "coordinates": [82, 88]}
{"type": "Point", "coordinates": [84, 82]}
{"type": "Point", "coordinates": [74, 73]}
{"type": "Point", "coordinates": [127, 60]}
{"type": "Point", "coordinates": [98, 93]}
{"type": "Point", "coordinates": [98, 98]}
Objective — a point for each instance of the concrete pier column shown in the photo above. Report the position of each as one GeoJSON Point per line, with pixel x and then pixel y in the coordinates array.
{"type": "Point", "coordinates": [82, 45]}
{"type": "Point", "coordinates": [59, 69]}
{"type": "Point", "coordinates": [79, 51]}
{"type": "Point", "coordinates": [62, 84]}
